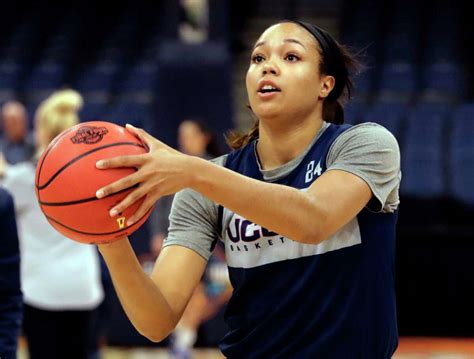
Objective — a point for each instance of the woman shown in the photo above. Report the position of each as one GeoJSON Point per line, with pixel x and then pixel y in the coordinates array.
{"type": "Point", "coordinates": [306, 209]}
{"type": "Point", "coordinates": [60, 278]}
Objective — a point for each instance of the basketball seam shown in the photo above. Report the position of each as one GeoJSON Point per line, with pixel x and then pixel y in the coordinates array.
{"type": "Point", "coordinates": [46, 155]}
{"type": "Point", "coordinates": [79, 201]}
{"type": "Point", "coordinates": [98, 234]}
{"type": "Point", "coordinates": [80, 157]}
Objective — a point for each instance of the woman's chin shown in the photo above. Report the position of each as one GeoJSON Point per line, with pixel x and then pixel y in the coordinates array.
{"type": "Point", "coordinates": [267, 111]}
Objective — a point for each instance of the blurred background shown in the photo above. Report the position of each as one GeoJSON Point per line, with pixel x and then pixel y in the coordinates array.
{"type": "Point", "coordinates": [157, 63]}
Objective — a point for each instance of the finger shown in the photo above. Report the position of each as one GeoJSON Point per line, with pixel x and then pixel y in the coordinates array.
{"type": "Point", "coordinates": [117, 186]}
{"type": "Point", "coordinates": [144, 136]}
{"type": "Point", "coordinates": [121, 161]}
{"type": "Point", "coordinates": [144, 208]}
{"type": "Point", "coordinates": [130, 199]}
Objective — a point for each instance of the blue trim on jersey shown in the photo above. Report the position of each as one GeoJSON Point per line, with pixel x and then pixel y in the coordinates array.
{"type": "Point", "coordinates": [339, 304]}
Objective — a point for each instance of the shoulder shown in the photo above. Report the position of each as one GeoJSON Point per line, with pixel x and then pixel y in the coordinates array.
{"type": "Point", "coordinates": [365, 137]}
{"type": "Point", "coordinates": [367, 130]}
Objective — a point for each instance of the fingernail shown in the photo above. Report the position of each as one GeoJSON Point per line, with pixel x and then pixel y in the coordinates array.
{"type": "Point", "coordinates": [113, 212]}
{"type": "Point", "coordinates": [130, 222]}
{"type": "Point", "coordinates": [99, 164]}
{"type": "Point", "coordinates": [129, 125]}
{"type": "Point", "coordinates": [100, 193]}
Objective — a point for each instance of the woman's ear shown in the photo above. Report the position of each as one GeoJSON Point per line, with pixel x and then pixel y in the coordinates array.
{"type": "Point", "coordinates": [327, 85]}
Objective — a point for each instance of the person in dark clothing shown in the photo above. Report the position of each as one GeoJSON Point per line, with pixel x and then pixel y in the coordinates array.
{"type": "Point", "coordinates": [10, 289]}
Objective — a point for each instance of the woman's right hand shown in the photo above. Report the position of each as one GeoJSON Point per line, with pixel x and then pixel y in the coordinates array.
{"type": "Point", "coordinates": [160, 172]}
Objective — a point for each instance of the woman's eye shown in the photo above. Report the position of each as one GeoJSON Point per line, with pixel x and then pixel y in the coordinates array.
{"type": "Point", "coordinates": [292, 57]}
{"type": "Point", "coordinates": [257, 58]}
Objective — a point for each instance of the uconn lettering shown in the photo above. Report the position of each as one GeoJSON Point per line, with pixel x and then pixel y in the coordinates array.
{"type": "Point", "coordinates": [244, 235]}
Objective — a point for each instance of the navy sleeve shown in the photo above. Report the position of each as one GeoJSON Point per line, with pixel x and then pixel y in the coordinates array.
{"type": "Point", "coordinates": [10, 291]}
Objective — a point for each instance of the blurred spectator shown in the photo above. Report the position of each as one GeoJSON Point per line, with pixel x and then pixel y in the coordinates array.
{"type": "Point", "coordinates": [15, 143]}
{"type": "Point", "coordinates": [194, 138]}
{"type": "Point", "coordinates": [60, 277]}
{"type": "Point", "coordinates": [10, 291]}
{"type": "Point", "coordinates": [194, 22]}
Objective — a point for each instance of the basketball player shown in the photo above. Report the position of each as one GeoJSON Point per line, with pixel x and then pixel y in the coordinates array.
{"type": "Point", "coordinates": [60, 278]}
{"type": "Point", "coordinates": [306, 209]}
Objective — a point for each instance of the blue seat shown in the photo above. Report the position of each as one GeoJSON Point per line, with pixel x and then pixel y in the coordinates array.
{"type": "Point", "coordinates": [47, 75]}
{"type": "Point", "coordinates": [462, 131]}
{"type": "Point", "coordinates": [93, 112]}
{"type": "Point", "coordinates": [423, 156]}
{"type": "Point", "coordinates": [423, 177]}
{"type": "Point", "coordinates": [444, 34]}
{"type": "Point", "coordinates": [353, 111]}
{"type": "Point", "coordinates": [402, 29]}
{"type": "Point", "coordinates": [361, 24]}
{"type": "Point", "coordinates": [195, 81]}
{"type": "Point", "coordinates": [389, 115]}
{"type": "Point", "coordinates": [464, 114]}
{"type": "Point", "coordinates": [461, 161]}
{"type": "Point", "coordinates": [10, 73]}
{"type": "Point", "coordinates": [401, 45]}
{"type": "Point", "coordinates": [136, 114]}
{"type": "Point", "coordinates": [141, 77]}
{"type": "Point", "coordinates": [364, 84]}
{"type": "Point", "coordinates": [398, 82]}
{"type": "Point", "coordinates": [444, 82]}
{"type": "Point", "coordinates": [428, 117]}
{"type": "Point", "coordinates": [99, 77]}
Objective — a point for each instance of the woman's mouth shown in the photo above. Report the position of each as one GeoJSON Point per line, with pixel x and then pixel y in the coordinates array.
{"type": "Point", "coordinates": [268, 91]}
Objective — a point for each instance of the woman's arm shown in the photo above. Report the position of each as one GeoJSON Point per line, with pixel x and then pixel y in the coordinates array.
{"type": "Point", "coordinates": [305, 216]}
{"type": "Point", "coordinates": [153, 304]}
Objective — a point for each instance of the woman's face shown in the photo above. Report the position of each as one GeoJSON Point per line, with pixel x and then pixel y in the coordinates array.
{"type": "Point", "coordinates": [191, 139]}
{"type": "Point", "coordinates": [283, 78]}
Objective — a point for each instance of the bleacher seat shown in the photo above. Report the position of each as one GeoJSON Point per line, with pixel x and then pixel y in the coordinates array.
{"type": "Point", "coordinates": [398, 82]}
{"type": "Point", "coordinates": [10, 75]}
{"type": "Point", "coordinates": [423, 165]}
{"type": "Point", "coordinates": [195, 81]}
{"type": "Point", "coordinates": [46, 75]}
{"type": "Point", "coordinates": [353, 111]}
{"type": "Point", "coordinates": [99, 77]}
{"type": "Point", "coordinates": [389, 115]}
{"type": "Point", "coordinates": [444, 82]}
{"type": "Point", "coordinates": [461, 158]}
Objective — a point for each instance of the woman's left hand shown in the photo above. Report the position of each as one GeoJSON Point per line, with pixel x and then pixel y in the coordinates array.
{"type": "Point", "coordinates": [160, 172]}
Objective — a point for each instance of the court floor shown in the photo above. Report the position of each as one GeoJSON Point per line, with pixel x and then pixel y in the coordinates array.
{"type": "Point", "coordinates": [409, 348]}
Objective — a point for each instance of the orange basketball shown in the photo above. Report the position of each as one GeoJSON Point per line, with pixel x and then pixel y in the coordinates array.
{"type": "Point", "coordinates": [67, 180]}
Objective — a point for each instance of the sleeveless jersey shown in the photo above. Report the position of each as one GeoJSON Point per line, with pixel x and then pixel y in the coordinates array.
{"type": "Point", "coordinates": [335, 299]}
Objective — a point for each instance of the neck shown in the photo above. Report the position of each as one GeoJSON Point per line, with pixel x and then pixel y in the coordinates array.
{"type": "Point", "coordinates": [279, 144]}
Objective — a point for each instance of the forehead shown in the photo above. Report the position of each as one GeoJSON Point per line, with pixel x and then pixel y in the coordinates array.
{"type": "Point", "coordinates": [277, 33]}
{"type": "Point", "coordinates": [188, 125]}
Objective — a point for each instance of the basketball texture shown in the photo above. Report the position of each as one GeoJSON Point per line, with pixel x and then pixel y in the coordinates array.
{"type": "Point", "coordinates": [67, 180]}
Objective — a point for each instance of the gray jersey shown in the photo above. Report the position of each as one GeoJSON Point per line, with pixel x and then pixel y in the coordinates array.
{"type": "Point", "coordinates": [368, 151]}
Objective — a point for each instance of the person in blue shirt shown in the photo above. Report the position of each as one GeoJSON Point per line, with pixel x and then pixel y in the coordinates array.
{"type": "Point", "coordinates": [16, 143]}
{"type": "Point", "coordinates": [306, 208]}
{"type": "Point", "coordinates": [11, 298]}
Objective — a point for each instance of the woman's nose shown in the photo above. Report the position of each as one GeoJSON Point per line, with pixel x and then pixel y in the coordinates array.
{"type": "Point", "coordinates": [270, 68]}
